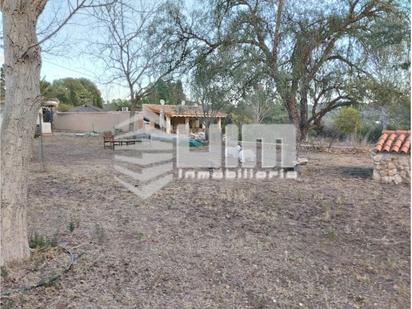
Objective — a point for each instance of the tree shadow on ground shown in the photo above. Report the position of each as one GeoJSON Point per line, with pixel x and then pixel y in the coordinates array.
{"type": "Point", "coordinates": [357, 172]}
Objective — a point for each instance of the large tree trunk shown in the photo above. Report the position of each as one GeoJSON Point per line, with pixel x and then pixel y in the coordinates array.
{"type": "Point", "coordinates": [22, 68]}
{"type": "Point", "coordinates": [131, 119]}
{"type": "Point", "coordinates": [133, 107]}
{"type": "Point", "coordinates": [294, 115]}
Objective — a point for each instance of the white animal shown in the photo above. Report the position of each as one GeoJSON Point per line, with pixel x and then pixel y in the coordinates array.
{"type": "Point", "coordinates": [233, 152]}
{"type": "Point", "coordinates": [237, 152]}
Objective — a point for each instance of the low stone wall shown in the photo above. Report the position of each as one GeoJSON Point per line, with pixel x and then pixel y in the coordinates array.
{"type": "Point", "coordinates": [391, 167]}
{"type": "Point", "coordinates": [338, 149]}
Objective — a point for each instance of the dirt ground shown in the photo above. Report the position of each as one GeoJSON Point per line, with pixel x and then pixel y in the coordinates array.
{"type": "Point", "coordinates": [334, 239]}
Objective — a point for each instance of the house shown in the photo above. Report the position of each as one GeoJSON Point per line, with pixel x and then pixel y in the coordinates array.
{"type": "Point", "coordinates": [392, 157]}
{"type": "Point", "coordinates": [170, 116]}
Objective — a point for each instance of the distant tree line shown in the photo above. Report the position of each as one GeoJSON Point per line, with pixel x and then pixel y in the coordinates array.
{"type": "Point", "coordinates": [73, 92]}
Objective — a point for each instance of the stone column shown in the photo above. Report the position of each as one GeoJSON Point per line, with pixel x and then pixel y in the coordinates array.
{"type": "Point", "coordinates": [161, 119]}
{"type": "Point", "coordinates": [168, 125]}
{"type": "Point", "coordinates": [187, 125]}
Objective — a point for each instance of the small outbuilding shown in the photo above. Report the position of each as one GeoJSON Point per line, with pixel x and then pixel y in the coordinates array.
{"type": "Point", "coordinates": [44, 124]}
{"type": "Point", "coordinates": [392, 157]}
{"type": "Point", "coordinates": [173, 115]}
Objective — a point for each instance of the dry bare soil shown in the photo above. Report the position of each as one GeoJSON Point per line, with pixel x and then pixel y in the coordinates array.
{"type": "Point", "coordinates": [335, 239]}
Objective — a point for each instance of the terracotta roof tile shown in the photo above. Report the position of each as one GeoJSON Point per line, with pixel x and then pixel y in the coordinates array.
{"type": "Point", "coordinates": [406, 147]}
{"type": "Point", "coordinates": [398, 141]}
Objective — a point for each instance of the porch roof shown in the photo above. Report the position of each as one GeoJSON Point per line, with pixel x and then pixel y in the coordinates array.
{"type": "Point", "coordinates": [181, 111]}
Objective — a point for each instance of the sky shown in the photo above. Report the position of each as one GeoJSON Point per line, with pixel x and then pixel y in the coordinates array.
{"type": "Point", "coordinates": [57, 67]}
{"type": "Point", "coordinates": [65, 55]}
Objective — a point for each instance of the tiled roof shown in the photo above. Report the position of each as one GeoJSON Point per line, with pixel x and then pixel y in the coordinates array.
{"type": "Point", "coordinates": [398, 141]}
{"type": "Point", "coordinates": [180, 110]}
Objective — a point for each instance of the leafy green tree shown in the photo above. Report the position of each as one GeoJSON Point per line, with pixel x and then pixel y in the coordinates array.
{"type": "Point", "coordinates": [348, 121]}
{"type": "Point", "coordinates": [73, 91]}
{"type": "Point", "coordinates": [170, 91]}
{"type": "Point", "coordinates": [45, 88]}
{"type": "Point", "coordinates": [91, 92]}
{"type": "Point", "coordinates": [119, 103]}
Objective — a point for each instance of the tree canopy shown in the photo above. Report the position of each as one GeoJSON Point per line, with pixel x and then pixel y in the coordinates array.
{"type": "Point", "coordinates": [72, 91]}
{"type": "Point", "coordinates": [316, 56]}
{"type": "Point", "coordinates": [169, 91]}
{"type": "Point", "coordinates": [348, 120]}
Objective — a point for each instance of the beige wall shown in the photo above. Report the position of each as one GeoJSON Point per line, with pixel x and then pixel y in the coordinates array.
{"type": "Point", "coordinates": [89, 121]}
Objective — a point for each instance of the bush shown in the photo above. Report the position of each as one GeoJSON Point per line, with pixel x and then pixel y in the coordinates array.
{"type": "Point", "coordinates": [348, 121]}
{"type": "Point", "coordinates": [370, 133]}
{"type": "Point", "coordinates": [37, 241]}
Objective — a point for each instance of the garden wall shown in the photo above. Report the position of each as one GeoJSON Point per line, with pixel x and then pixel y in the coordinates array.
{"type": "Point", "coordinates": [392, 167]}
{"type": "Point", "coordinates": [92, 121]}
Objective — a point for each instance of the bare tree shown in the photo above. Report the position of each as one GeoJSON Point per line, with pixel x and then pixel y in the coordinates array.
{"type": "Point", "coordinates": [22, 102]}
{"type": "Point", "coordinates": [261, 103]}
{"type": "Point", "coordinates": [133, 51]}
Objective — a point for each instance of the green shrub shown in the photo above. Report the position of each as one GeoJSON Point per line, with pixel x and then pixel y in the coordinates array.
{"type": "Point", "coordinates": [4, 272]}
{"type": "Point", "coordinates": [348, 121]}
{"type": "Point", "coordinates": [370, 133]}
{"type": "Point", "coordinates": [73, 224]}
{"type": "Point", "coordinates": [37, 241]}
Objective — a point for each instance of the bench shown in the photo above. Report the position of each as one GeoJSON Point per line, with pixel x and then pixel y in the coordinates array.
{"type": "Point", "coordinates": [110, 142]}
